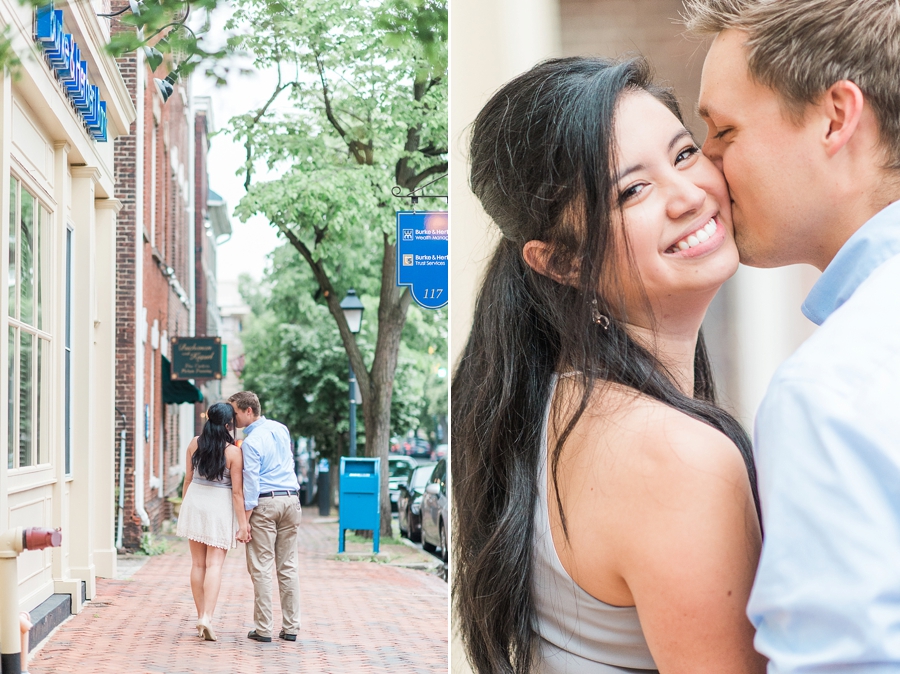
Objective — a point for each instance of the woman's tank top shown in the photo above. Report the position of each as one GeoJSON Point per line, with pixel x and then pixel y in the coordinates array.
{"type": "Point", "coordinates": [578, 634]}
{"type": "Point", "coordinates": [225, 480]}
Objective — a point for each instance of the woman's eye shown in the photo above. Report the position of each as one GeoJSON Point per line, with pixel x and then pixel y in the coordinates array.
{"type": "Point", "coordinates": [686, 153]}
{"type": "Point", "coordinates": [631, 192]}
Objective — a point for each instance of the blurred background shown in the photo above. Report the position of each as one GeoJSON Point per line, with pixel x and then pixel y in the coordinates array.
{"type": "Point", "coordinates": [755, 321]}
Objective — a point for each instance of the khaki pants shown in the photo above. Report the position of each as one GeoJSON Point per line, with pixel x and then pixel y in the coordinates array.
{"type": "Point", "coordinates": [273, 527]}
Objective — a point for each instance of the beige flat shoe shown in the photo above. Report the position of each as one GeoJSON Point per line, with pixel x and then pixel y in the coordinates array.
{"type": "Point", "coordinates": [205, 630]}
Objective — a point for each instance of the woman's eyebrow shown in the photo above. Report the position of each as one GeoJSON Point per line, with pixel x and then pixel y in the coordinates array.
{"type": "Point", "coordinates": [678, 136]}
{"type": "Point", "coordinates": [672, 143]}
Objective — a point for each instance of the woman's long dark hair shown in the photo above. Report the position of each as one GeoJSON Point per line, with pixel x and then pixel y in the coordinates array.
{"type": "Point", "coordinates": [542, 164]}
{"type": "Point", "coordinates": [209, 458]}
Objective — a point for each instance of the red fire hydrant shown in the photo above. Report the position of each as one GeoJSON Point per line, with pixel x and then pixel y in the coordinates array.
{"type": "Point", "coordinates": [12, 543]}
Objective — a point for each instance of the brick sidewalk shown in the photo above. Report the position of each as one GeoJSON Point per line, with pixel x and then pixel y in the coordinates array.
{"type": "Point", "coordinates": [357, 617]}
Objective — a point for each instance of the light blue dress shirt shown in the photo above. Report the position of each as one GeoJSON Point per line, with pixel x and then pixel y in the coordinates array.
{"type": "Point", "coordinates": [268, 460]}
{"type": "Point", "coordinates": [827, 593]}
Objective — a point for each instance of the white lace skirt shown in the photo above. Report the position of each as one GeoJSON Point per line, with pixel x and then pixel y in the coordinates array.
{"type": "Point", "coordinates": [207, 516]}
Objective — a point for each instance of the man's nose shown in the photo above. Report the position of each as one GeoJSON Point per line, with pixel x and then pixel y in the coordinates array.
{"type": "Point", "coordinates": [713, 151]}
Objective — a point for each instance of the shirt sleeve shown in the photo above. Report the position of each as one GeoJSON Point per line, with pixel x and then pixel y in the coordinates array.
{"type": "Point", "coordinates": [251, 474]}
{"type": "Point", "coordinates": [827, 592]}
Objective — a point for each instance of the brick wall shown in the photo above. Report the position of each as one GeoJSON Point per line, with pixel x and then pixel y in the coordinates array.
{"type": "Point", "coordinates": [164, 227]}
{"type": "Point", "coordinates": [201, 241]}
{"type": "Point", "coordinates": [127, 313]}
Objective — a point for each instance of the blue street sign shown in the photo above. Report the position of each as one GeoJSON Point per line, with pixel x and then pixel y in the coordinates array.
{"type": "Point", "coordinates": [422, 256]}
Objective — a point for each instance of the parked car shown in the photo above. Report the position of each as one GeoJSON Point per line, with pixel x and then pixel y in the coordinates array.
{"type": "Point", "coordinates": [409, 503]}
{"type": "Point", "coordinates": [411, 446]}
{"type": "Point", "coordinates": [400, 467]}
{"type": "Point", "coordinates": [439, 452]}
{"type": "Point", "coordinates": [421, 449]}
{"type": "Point", "coordinates": [435, 518]}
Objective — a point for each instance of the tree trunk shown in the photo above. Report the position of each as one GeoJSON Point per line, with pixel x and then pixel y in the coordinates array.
{"type": "Point", "coordinates": [392, 307]}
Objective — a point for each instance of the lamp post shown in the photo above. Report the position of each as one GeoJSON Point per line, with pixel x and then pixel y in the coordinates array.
{"type": "Point", "coordinates": [353, 311]}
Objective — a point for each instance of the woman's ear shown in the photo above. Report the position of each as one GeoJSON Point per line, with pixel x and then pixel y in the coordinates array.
{"type": "Point", "coordinates": [538, 255]}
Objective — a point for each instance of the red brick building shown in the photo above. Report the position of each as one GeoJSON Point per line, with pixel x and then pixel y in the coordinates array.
{"type": "Point", "coordinates": [163, 279]}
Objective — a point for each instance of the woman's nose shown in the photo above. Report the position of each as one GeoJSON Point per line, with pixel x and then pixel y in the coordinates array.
{"type": "Point", "coordinates": [684, 197]}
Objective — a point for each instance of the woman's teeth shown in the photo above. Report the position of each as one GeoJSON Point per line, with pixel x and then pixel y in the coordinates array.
{"type": "Point", "coordinates": [696, 238]}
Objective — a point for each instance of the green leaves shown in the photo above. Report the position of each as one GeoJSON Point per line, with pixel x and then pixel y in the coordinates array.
{"type": "Point", "coordinates": [360, 106]}
{"type": "Point", "coordinates": [296, 364]}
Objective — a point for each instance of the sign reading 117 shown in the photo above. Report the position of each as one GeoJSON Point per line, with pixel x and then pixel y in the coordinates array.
{"type": "Point", "coordinates": [422, 256]}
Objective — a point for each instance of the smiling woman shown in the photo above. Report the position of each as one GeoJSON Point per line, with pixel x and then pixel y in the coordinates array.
{"type": "Point", "coordinates": [604, 505]}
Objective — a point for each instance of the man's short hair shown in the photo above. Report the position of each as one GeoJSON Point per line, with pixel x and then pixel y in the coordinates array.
{"type": "Point", "coordinates": [799, 48]}
{"type": "Point", "coordinates": [245, 399]}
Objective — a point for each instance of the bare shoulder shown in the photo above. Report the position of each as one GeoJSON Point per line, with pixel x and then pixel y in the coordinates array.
{"type": "Point", "coordinates": [633, 464]}
{"type": "Point", "coordinates": [192, 445]}
{"type": "Point", "coordinates": [630, 454]}
{"type": "Point", "coordinates": [653, 441]}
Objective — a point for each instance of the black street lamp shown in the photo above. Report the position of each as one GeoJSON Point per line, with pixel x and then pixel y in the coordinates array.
{"type": "Point", "coordinates": [353, 311]}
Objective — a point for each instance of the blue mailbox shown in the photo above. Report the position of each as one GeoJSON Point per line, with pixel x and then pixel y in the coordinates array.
{"type": "Point", "coordinates": [360, 497]}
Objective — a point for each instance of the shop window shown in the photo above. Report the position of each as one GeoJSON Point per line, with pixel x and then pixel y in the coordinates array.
{"type": "Point", "coordinates": [28, 333]}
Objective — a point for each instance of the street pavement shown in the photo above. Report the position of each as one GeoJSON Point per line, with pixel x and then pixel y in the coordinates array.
{"type": "Point", "coordinates": [357, 616]}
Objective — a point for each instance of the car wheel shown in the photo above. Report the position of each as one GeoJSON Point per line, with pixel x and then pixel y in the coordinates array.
{"type": "Point", "coordinates": [426, 546]}
{"type": "Point", "coordinates": [415, 532]}
{"type": "Point", "coordinates": [404, 533]}
{"type": "Point", "coordinates": [444, 555]}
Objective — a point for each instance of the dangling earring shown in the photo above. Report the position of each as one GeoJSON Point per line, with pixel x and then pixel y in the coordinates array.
{"type": "Point", "coordinates": [597, 317]}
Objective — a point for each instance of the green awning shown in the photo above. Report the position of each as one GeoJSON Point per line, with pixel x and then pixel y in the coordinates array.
{"type": "Point", "coordinates": [177, 391]}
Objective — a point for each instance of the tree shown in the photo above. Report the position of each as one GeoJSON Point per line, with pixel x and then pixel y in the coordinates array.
{"type": "Point", "coordinates": [367, 82]}
{"type": "Point", "coordinates": [297, 365]}
{"type": "Point", "coordinates": [160, 24]}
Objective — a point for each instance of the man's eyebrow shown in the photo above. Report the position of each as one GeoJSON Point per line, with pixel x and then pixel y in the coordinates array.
{"type": "Point", "coordinates": [639, 167]}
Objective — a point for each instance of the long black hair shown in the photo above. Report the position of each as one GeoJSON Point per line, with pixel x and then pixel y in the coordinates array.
{"type": "Point", "coordinates": [542, 164]}
{"type": "Point", "coordinates": [209, 458]}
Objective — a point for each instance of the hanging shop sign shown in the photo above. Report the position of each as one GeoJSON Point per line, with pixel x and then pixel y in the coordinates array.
{"type": "Point", "coordinates": [64, 57]}
{"type": "Point", "coordinates": [422, 256]}
{"type": "Point", "coordinates": [196, 357]}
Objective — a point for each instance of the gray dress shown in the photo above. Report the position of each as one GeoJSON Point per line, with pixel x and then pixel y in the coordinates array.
{"type": "Point", "coordinates": [578, 634]}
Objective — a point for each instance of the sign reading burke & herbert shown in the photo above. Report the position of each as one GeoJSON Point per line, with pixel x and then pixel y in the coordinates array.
{"type": "Point", "coordinates": [196, 358]}
{"type": "Point", "coordinates": [422, 256]}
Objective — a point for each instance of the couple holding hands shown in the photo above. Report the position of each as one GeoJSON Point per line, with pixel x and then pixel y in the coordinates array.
{"type": "Point", "coordinates": [609, 516]}
{"type": "Point", "coordinates": [249, 494]}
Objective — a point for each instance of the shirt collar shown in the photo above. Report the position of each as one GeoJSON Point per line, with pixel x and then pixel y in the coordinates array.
{"type": "Point", "coordinates": [875, 242]}
{"type": "Point", "coordinates": [255, 424]}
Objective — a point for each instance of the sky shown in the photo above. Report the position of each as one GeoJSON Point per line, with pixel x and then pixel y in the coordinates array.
{"type": "Point", "coordinates": [252, 241]}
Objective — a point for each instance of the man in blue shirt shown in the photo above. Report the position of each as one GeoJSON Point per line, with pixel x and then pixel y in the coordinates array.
{"type": "Point", "coordinates": [272, 502]}
{"type": "Point", "coordinates": [802, 101]}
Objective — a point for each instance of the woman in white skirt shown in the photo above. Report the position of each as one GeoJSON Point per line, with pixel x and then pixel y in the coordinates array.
{"type": "Point", "coordinates": [212, 512]}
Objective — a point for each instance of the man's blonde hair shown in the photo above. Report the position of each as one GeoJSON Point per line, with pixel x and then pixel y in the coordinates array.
{"type": "Point", "coordinates": [799, 48]}
{"type": "Point", "coordinates": [244, 400]}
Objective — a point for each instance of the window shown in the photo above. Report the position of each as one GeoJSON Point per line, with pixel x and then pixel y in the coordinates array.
{"type": "Point", "coordinates": [28, 337]}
